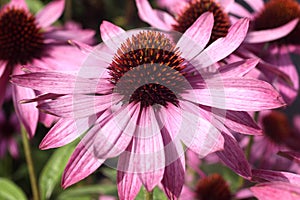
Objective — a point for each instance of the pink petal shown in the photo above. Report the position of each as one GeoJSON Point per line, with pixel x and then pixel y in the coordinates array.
{"type": "Point", "coordinates": [82, 162]}
{"type": "Point", "coordinates": [197, 36]}
{"type": "Point", "coordinates": [155, 18]}
{"type": "Point", "coordinates": [50, 13]}
{"type": "Point", "coordinates": [239, 10]}
{"type": "Point", "coordinates": [113, 36]}
{"type": "Point", "coordinates": [239, 94]}
{"type": "Point", "coordinates": [13, 148]}
{"type": "Point", "coordinates": [47, 120]}
{"type": "Point", "coordinates": [79, 106]}
{"type": "Point", "coordinates": [129, 184]}
{"type": "Point", "coordinates": [21, 4]}
{"type": "Point", "coordinates": [271, 34]}
{"type": "Point", "coordinates": [173, 179]}
{"type": "Point", "coordinates": [86, 49]}
{"type": "Point", "coordinates": [292, 155]}
{"type": "Point", "coordinates": [260, 175]}
{"type": "Point", "coordinates": [64, 132]}
{"type": "Point", "coordinates": [276, 191]}
{"type": "Point", "coordinates": [2, 67]}
{"type": "Point", "coordinates": [3, 84]}
{"type": "Point", "coordinates": [223, 47]}
{"type": "Point", "coordinates": [256, 5]}
{"type": "Point", "coordinates": [238, 69]}
{"type": "Point", "coordinates": [226, 4]}
{"type": "Point", "coordinates": [65, 35]}
{"type": "Point", "coordinates": [114, 135]}
{"type": "Point", "coordinates": [234, 157]}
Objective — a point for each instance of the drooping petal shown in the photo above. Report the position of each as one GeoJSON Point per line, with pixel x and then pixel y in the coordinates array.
{"type": "Point", "coordinates": [239, 94]}
{"type": "Point", "coordinates": [3, 84]}
{"type": "Point", "coordinates": [238, 69]}
{"type": "Point", "coordinates": [50, 13]}
{"type": "Point", "coordinates": [260, 175]}
{"type": "Point", "coordinates": [271, 34]}
{"type": "Point", "coordinates": [129, 184]}
{"type": "Point", "coordinates": [114, 136]}
{"type": "Point", "coordinates": [113, 36]}
{"type": "Point", "coordinates": [276, 191]}
{"type": "Point", "coordinates": [155, 18]}
{"type": "Point", "coordinates": [65, 35]}
{"type": "Point", "coordinates": [234, 157]}
{"type": "Point", "coordinates": [223, 47]}
{"type": "Point", "coordinates": [196, 37]}
{"type": "Point", "coordinates": [82, 162]}
{"type": "Point", "coordinates": [65, 131]}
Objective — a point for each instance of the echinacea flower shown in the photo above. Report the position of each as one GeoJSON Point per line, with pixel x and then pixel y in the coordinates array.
{"type": "Point", "coordinates": [142, 92]}
{"type": "Point", "coordinates": [9, 127]}
{"type": "Point", "coordinates": [30, 40]}
{"type": "Point", "coordinates": [273, 36]}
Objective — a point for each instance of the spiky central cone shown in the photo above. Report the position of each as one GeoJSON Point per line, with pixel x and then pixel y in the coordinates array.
{"type": "Point", "coordinates": [148, 69]}
{"type": "Point", "coordinates": [21, 39]}
{"type": "Point", "coordinates": [213, 187]}
{"type": "Point", "coordinates": [195, 9]}
{"type": "Point", "coordinates": [276, 127]}
{"type": "Point", "coordinates": [277, 13]}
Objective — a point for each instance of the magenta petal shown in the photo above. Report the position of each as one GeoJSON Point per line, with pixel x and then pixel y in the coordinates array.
{"type": "Point", "coordinates": [13, 148]}
{"type": "Point", "coordinates": [271, 34]}
{"type": "Point", "coordinates": [129, 184]}
{"type": "Point", "coordinates": [155, 18]}
{"type": "Point", "coordinates": [114, 135]}
{"type": "Point", "coordinates": [173, 179]}
{"type": "Point", "coordinates": [238, 69]}
{"type": "Point", "coordinates": [260, 175]}
{"type": "Point", "coordinates": [21, 4]}
{"type": "Point", "coordinates": [239, 94]}
{"type": "Point", "coordinates": [3, 84]}
{"type": "Point", "coordinates": [81, 164]}
{"type": "Point", "coordinates": [64, 132]}
{"type": "Point", "coordinates": [223, 47]}
{"type": "Point", "coordinates": [234, 157]}
{"type": "Point", "coordinates": [2, 67]}
{"type": "Point", "coordinates": [292, 155]}
{"type": "Point", "coordinates": [197, 36]}
{"type": "Point", "coordinates": [276, 191]}
{"type": "Point", "coordinates": [50, 13]}
{"type": "Point", "coordinates": [256, 5]}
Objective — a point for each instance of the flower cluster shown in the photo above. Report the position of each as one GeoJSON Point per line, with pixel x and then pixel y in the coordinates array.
{"type": "Point", "coordinates": [208, 82]}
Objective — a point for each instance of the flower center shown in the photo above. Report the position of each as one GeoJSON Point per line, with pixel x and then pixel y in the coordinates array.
{"type": "Point", "coordinates": [277, 127]}
{"type": "Point", "coordinates": [20, 39]}
{"type": "Point", "coordinates": [195, 9]}
{"type": "Point", "coordinates": [149, 62]}
{"type": "Point", "coordinates": [277, 13]}
{"type": "Point", "coordinates": [213, 187]}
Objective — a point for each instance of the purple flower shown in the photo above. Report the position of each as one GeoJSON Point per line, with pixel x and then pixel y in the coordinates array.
{"type": "Point", "coordinates": [30, 40]}
{"type": "Point", "coordinates": [143, 92]}
{"type": "Point", "coordinates": [9, 126]}
{"type": "Point", "coordinates": [273, 41]}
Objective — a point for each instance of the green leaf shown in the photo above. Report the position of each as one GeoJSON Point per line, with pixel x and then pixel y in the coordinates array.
{"type": "Point", "coordinates": [10, 191]}
{"type": "Point", "coordinates": [91, 190]}
{"type": "Point", "coordinates": [34, 5]}
{"type": "Point", "coordinates": [51, 174]}
{"type": "Point", "coordinates": [158, 194]}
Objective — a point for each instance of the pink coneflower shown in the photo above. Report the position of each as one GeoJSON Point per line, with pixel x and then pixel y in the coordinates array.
{"type": "Point", "coordinates": [152, 92]}
{"type": "Point", "coordinates": [30, 40]}
{"type": "Point", "coordinates": [9, 126]}
{"type": "Point", "coordinates": [273, 35]}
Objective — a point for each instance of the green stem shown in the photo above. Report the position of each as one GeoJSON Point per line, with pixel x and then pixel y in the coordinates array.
{"type": "Point", "coordinates": [33, 182]}
{"type": "Point", "coordinates": [148, 195]}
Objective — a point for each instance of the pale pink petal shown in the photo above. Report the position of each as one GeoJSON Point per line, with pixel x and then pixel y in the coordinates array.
{"type": "Point", "coordinates": [260, 175]}
{"type": "Point", "coordinates": [85, 48]}
{"type": "Point", "coordinates": [276, 191]}
{"type": "Point", "coordinates": [113, 36]}
{"type": "Point", "coordinates": [82, 162]}
{"type": "Point", "coordinates": [197, 36]}
{"type": "Point", "coordinates": [226, 4]}
{"type": "Point", "coordinates": [79, 106]}
{"type": "Point", "coordinates": [173, 179]}
{"type": "Point", "coordinates": [129, 184]}
{"type": "Point", "coordinates": [155, 18]}
{"type": "Point", "coordinates": [271, 34]}
{"type": "Point", "coordinates": [65, 131]}
{"type": "Point", "coordinates": [2, 67]}
{"type": "Point", "coordinates": [234, 157]}
{"type": "Point", "coordinates": [239, 10]}
{"type": "Point", "coordinates": [239, 94]}
{"type": "Point", "coordinates": [50, 13]}
{"type": "Point", "coordinates": [256, 5]}
{"type": "Point", "coordinates": [114, 135]}
{"type": "Point", "coordinates": [65, 35]}
{"type": "Point", "coordinates": [223, 47]}
{"type": "Point", "coordinates": [60, 83]}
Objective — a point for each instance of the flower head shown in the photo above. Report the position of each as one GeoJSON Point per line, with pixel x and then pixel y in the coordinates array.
{"type": "Point", "coordinates": [27, 39]}
{"type": "Point", "coordinates": [143, 92]}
